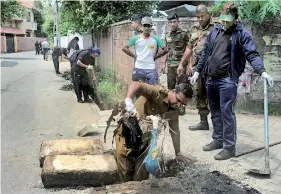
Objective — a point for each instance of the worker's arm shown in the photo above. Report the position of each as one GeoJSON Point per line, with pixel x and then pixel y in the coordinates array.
{"type": "Point", "coordinates": [163, 53]}
{"type": "Point", "coordinates": [126, 49]}
{"type": "Point", "coordinates": [160, 44]}
{"type": "Point", "coordinates": [131, 42]}
{"type": "Point", "coordinates": [79, 62]}
{"type": "Point", "coordinates": [186, 56]}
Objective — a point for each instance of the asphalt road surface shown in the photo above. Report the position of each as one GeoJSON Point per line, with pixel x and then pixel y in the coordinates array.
{"type": "Point", "coordinates": [33, 109]}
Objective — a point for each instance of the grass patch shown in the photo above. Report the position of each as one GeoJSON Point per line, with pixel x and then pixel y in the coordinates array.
{"type": "Point", "coordinates": [111, 91]}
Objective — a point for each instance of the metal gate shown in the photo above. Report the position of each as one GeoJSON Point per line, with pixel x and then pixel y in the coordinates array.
{"type": "Point", "coordinates": [10, 44]}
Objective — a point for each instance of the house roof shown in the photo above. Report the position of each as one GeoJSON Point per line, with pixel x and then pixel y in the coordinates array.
{"type": "Point", "coordinates": [9, 30]}
{"type": "Point", "coordinates": [27, 3]}
{"type": "Point", "coordinates": [166, 5]}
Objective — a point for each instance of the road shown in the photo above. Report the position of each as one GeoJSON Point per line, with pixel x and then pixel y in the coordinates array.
{"type": "Point", "coordinates": [33, 109]}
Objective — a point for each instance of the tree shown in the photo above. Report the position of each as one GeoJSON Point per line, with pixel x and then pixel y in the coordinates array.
{"type": "Point", "coordinates": [81, 16]}
{"type": "Point", "coordinates": [11, 10]}
{"type": "Point", "coordinates": [38, 17]}
{"type": "Point", "coordinates": [253, 11]}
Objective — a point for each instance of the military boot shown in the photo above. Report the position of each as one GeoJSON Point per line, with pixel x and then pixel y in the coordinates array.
{"type": "Point", "coordinates": [203, 125]}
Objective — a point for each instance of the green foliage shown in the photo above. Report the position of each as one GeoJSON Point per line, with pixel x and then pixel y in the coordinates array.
{"type": "Point", "coordinates": [111, 92]}
{"type": "Point", "coordinates": [81, 16]}
{"type": "Point", "coordinates": [11, 10]}
{"type": "Point", "coordinates": [253, 11]}
{"type": "Point", "coordinates": [48, 24]}
{"type": "Point", "coordinates": [38, 17]}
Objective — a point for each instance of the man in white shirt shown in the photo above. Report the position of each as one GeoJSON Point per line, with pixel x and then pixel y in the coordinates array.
{"type": "Point", "coordinates": [45, 46]}
{"type": "Point", "coordinates": [146, 52]}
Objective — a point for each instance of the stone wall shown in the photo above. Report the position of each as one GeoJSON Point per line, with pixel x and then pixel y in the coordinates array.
{"type": "Point", "coordinates": [26, 43]}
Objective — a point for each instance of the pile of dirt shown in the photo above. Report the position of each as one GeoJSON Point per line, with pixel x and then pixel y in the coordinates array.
{"type": "Point", "coordinates": [66, 75]}
{"type": "Point", "coordinates": [193, 179]}
{"type": "Point", "coordinates": [67, 87]}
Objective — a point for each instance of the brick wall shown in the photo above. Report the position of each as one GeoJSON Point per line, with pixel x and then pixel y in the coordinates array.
{"type": "Point", "coordinates": [26, 43]}
{"type": "Point", "coordinates": [3, 44]}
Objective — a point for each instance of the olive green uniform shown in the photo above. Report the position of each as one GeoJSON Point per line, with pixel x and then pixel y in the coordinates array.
{"type": "Point", "coordinates": [154, 100]}
{"type": "Point", "coordinates": [197, 38]}
{"type": "Point", "coordinates": [176, 43]}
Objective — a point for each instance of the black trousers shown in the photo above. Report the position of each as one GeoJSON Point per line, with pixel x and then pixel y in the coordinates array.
{"type": "Point", "coordinates": [56, 63]}
{"type": "Point", "coordinates": [81, 85]}
{"type": "Point", "coordinates": [37, 51]}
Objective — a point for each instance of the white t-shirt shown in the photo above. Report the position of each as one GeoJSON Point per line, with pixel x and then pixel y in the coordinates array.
{"type": "Point", "coordinates": [145, 49]}
{"type": "Point", "coordinates": [45, 44]}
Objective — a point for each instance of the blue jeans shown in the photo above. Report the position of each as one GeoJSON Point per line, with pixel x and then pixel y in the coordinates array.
{"type": "Point", "coordinates": [222, 93]}
{"type": "Point", "coordinates": [149, 76]}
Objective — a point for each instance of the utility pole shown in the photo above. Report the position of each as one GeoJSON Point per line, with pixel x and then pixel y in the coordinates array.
{"type": "Point", "coordinates": [56, 24]}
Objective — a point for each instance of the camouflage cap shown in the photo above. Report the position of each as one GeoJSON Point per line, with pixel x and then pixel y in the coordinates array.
{"type": "Point", "coordinates": [146, 20]}
{"type": "Point", "coordinates": [229, 12]}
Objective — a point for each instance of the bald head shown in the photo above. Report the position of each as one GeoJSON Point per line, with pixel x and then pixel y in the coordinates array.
{"type": "Point", "coordinates": [201, 9]}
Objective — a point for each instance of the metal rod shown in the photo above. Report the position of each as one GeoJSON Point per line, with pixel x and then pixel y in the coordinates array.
{"type": "Point", "coordinates": [257, 149]}
{"type": "Point", "coordinates": [266, 136]}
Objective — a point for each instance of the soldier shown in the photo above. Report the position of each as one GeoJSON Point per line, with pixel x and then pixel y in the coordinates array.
{"type": "Point", "coordinates": [197, 36]}
{"type": "Point", "coordinates": [136, 23]}
{"type": "Point", "coordinates": [176, 41]}
{"type": "Point", "coordinates": [154, 100]}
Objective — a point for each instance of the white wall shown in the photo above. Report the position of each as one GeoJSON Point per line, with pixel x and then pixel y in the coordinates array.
{"type": "Point", "coordinates": [85, 40]}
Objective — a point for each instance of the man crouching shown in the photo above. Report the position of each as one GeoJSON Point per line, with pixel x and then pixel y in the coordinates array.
{"type": "Point", "coordinates": [154, 100]}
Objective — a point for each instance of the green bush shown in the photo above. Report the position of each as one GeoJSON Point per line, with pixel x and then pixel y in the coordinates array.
{"type": "Point", "coordinates": [111, 91]}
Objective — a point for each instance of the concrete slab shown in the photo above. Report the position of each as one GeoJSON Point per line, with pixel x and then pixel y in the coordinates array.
{"type": "Point", "coordinates": [72, 170]}
{"type": "Point", "coordinates": [70, 147]}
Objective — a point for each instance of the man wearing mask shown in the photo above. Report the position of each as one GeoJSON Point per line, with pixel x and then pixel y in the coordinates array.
{"type": "Point", "coordinates": [197, 37]}
{"type": "Point", "coordinates": [146, 47]}
{"type": "Point", "coordinates": [176, 40]}
{"type": "Point", "coordinates": [136, 24]}
{"type": "Point", "coordinates": [223, 59]}
{"type": "Point", "coordinates": [80, 74]}
{"type": "Point", "coordinates": [154, 100]}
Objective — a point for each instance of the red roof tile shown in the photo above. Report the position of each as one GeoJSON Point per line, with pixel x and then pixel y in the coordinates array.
{"type": "Point", "coordinates": [8, 30]}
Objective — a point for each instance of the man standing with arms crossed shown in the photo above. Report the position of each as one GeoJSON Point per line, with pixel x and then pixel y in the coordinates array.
{"type": "Point", "coordinates": [196, 42]}
{"type": "Point", "coordinates": [223, 60]}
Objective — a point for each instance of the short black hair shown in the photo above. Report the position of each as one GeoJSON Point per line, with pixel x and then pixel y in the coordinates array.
{"type": "Point", "coordinates": [76, 38]}
{"type": "Point", "coordinates": [186, 89]}
{"type": "Point", "coordinates": [230, 8]}
{"type": "Point", "coordinates": [136, 18]}
{"type": "Point", "coordinates": [201, 9]}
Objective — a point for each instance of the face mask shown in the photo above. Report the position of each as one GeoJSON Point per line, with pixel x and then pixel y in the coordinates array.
{"type": "Point", "coordinates": [227, 25]}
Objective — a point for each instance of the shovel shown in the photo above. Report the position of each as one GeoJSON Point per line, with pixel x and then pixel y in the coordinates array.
{"type": "Point", "coordinates": [266, 170]}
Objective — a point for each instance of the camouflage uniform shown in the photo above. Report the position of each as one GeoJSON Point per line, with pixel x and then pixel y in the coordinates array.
{"type": "Point", "coordinates": [176, 43]}
{"type": "Point", "coordinates": [197, 37]}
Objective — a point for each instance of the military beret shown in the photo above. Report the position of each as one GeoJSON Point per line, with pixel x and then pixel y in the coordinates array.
{"type": "Point", "coordinates": [172, 16]}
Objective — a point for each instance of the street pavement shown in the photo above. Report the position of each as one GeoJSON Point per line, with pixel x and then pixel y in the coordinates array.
{"type": "Point", "coordinates": [33, 109]}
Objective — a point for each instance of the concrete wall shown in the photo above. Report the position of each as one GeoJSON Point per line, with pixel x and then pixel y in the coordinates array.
{"type": "Point", "coordinates": [3, 44]}
{"type": "Point", "coordinates": [85, 40]}
{"type": "Point", "coordinates": [26, 43]}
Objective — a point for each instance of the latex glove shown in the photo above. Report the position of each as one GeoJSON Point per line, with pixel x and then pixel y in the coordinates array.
{"type": "Point", "coordinates": [185, 159]}
{"type": "Point", "coordinates": [90, 67]}
{"type": "Point", "coordinates": [268, 78]}
{"type": "Point", "coordinates": [194, 78]}
{"type": "Point", "coordinates": [130, 107]}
